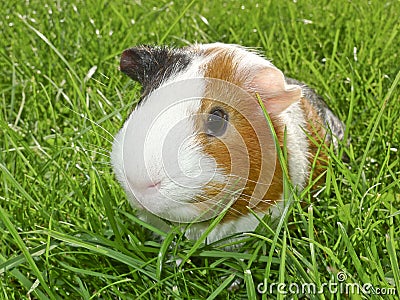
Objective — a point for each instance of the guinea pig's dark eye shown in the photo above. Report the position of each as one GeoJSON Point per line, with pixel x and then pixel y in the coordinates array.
{"type": "Point", "coordinates": [217, 122]}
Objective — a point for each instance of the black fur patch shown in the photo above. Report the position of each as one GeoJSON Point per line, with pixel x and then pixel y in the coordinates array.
{"type": "Point", "coordinates": [151, 65]}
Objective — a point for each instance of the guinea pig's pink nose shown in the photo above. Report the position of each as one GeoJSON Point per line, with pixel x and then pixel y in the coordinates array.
{"type": "Point", "coordinates": [154, 186]}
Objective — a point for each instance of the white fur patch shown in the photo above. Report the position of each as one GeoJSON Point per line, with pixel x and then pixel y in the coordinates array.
{"type": "Point", "coordinates": [157, 146]}
{"type": "Point", "coordinates": [296, 144]}
{"type": "Point", "coordinates": [244, 58]}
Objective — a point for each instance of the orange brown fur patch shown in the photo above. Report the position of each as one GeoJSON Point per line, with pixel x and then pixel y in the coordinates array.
{"type": "Point", "coordinates": [225, 149]}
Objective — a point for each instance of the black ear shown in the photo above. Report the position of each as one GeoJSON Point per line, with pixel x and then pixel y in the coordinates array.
{"type": "Point", "coordinates": [150, 65]}
{"type": "Point", "coordinates": [140, 62]}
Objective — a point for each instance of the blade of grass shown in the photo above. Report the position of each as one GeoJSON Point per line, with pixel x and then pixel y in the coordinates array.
{"type": "Point", "coordinates": [176, 21]}
{"type": "Point", "coordinates": [221, 287]}
{"type": "Point", "coordinates": [110, 212]}
{"type": "Point", "coordinates": [206, 232]}
{"type": "Point", "coordinates": [25, 281]}
{"type": "Point", "coordinates": [286, 187]}
{"type": "Point", "coordinates": [7, 222]}
{"type": "Point", "coordinates": [98, 293]}
{"type": "Point", "coordinates": [390, 245]}
{"type": "Point", "coordinates": [315, 272]}
{"type": "Point", "coordinates": [23, 192]}
{"type": "Point", "coordinates": [163, 252]}
{"type": "Point", "coordinates": [138, 265]}
{"type": "Point", "coordinates": [376, 122]}
{"type": "Point", "coordinates": [282, 266]}
{"type": "Point", "coordinates": [142, 223]}
{"type": "Point", "coordinates": [88, 272]}
{"type": "Point", "coordinates": [20, 259]}
{"type": "Point", "coordinates": [52, 47]}
{"type": "Point", "coordinates": [356, 261]}
{"type": "Point", "coordinates": [250, 288]}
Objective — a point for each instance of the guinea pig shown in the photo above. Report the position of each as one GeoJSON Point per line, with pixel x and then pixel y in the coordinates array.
{"type": "Point", "coordinates": [198, 143]}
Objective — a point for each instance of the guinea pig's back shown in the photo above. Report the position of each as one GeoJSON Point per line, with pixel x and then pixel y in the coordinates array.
{"type": "Point", "coordinates": [331, 121]}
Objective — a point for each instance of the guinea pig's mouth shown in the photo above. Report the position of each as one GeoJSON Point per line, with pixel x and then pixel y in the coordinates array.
{"type": "Point", "coordinates": [153, 187]}
{"type": "Point", "coordinates": [143, 188]}
{"type": "Point", "coordinates": [173, 201]}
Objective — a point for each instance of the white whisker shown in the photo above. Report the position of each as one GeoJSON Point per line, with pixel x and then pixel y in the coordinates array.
{"type": "Point", "coordinates": [93, 122]}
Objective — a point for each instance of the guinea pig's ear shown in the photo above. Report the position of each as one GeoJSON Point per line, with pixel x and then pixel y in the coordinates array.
{"type": "Point", "coordinates": [276, 94]}
{"type": "Point", "coordinates": [149, 65]}
{"type": "Point", "coordinates": [138, 63]}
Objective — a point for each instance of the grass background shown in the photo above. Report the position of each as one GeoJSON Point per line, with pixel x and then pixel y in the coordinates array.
{"type": "Point", "coordinates": [66, 230]}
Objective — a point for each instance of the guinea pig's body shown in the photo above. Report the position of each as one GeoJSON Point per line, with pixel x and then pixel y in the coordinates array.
{"type": "Point", "coordinates": [198, 141]}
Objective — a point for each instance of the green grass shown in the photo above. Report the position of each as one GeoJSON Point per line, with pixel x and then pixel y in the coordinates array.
{"type": "Point", "coordinates": [66, 229]}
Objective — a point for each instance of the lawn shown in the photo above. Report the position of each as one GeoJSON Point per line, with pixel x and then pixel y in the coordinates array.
{"type": "Point", "coordinates": [66, 228]}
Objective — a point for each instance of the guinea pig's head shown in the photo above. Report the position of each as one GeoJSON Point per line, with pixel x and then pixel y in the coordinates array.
{"type": "Point", "coordinates": [198, 141]}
